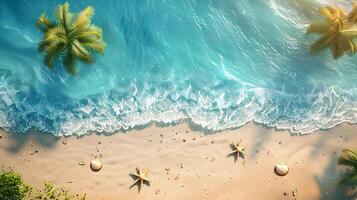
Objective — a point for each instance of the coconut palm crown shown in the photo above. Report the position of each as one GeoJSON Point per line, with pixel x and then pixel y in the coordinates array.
{"type": "Point", "coordinates": [338, 31]}
{"type": "Point", "coordinates": [71, 37]}
{"type": "Point", "coordinates": [349, 158]}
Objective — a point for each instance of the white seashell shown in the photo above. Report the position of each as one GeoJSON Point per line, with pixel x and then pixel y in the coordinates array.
{"type": "Point", "coordinates": [281, 169]}
{"type": "Point", "coordinates": [96, 165]}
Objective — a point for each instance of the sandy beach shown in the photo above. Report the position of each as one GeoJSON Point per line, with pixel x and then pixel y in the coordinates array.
{"type": "Point", "coordinates": [185, 163]}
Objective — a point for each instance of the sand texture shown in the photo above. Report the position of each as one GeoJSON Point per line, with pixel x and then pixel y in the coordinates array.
{"type": "Point", "coordinates": [185, 163]}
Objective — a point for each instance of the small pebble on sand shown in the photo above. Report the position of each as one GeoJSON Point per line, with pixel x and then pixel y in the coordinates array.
{"type": "Point", "coordinates": [295, 192]}
{"type": "Point", "coordinates": [64, 142]}
{"type": "Point", "coordinates": [81, 163]}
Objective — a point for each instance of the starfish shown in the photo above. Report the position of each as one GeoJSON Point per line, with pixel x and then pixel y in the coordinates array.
{"type": "Point", "coordinates": [140, 178]}
{"type": "Point", "coordinates": [237, 150]}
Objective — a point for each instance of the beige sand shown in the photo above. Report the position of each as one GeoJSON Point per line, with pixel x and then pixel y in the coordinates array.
{"type": "Point", "coordinates": [206, 172]}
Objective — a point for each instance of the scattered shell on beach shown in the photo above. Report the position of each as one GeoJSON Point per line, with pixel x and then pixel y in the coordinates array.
{"type": "Point", "coordinates": [281, 169]}
{"type": "Point", "coordinates": [81, 163]}
{"type": "Point", "coordinates": [96, 165]}
{"type": "Point", "coordinates": [294, 192]}
{"type": "Point", "coordinates": [64, 142]}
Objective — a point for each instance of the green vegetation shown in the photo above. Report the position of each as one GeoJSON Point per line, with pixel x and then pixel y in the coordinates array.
{"type": "Point", "coordinates": [52, 192]}
{"type": "Point", "coordinates": [349, 158]}
{"type": "Point", "coordinates": [338, 31]}
{"type": "Point", "coordinates": [71, 36]}
{"type": "Point", "coordinates": [12, 187]}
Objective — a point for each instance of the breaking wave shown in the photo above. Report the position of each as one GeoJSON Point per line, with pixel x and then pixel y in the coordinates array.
{"type": "Point", "coordinates": [219, 64]}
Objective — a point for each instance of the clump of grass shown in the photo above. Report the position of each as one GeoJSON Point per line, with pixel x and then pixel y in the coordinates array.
{"type": "Point", "coordinates": [52, 192]}
{"type": "Point", "coordinates": [12, 187]}
{"type": "Point", "coordinates": [349, 158]}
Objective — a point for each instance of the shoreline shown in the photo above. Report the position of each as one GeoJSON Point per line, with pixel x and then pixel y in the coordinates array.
{"type": "Point", "coordinates": [185, 163]}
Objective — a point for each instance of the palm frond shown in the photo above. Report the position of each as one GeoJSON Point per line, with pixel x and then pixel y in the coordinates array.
{"type": "Point", "coordinates": [69, 62]}
{"type": "Point", "coordinates": [352, 16]}
{"type": "Point", "coordinates": [91, 31]}
{"type": "Point", "coordinates": [52, 53]}
{"type": "Point", "coordinates": [318, 27]}
{"type": "Point", "coordinates": [97, 46]}
{"type": "Point", "coordinates": [63, 16]}
{"type": "Point", "coordinates": [349, 178]}
{"type": "Point", "coordinates": [81, 52]}
{"type": "Point", "coordinates": [336, 50]}
{"type": "Point", "coordinates": [343, 43]}
{"type": "Point", "coordinates": [44, 23]}
{"type": "Point", "coordinates": [83, 19]}
{"type": "Point", "coordinates": [328, 12]}
{"type": "Point", "coordinates": [348, 157]}
{"type": "Point", "coordinates": [351, 32]}
{"type": "Point", "coordinates": [57, 33]}
{"type": "Point", "coordinates": [321, 44]}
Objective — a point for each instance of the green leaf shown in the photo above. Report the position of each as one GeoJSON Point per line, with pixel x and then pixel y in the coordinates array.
{"type": "Point", "coordinates": [97, 46]}
{"type": "Point", "coordinates": [44, 23]}
{"type": "Point", "coordinates": [318, 27]}
{"type": "Point", "coordinates": [83, 19]}
{"type": "Point", "coordinates": [80, 52]}
{"type": "Point", "coordinates": [52, 53]}
{"type": "Point", "coordinates": [69, 62]}
{"type": "Point", "coordinates": [321, 44]}
{"type": "Point", "coordinates": [64, 17]}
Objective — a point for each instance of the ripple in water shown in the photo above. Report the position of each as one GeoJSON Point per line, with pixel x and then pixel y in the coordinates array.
{"type": "Point", "coordinates": [219, 64]}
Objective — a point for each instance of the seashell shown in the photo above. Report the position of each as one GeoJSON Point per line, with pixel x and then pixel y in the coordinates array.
{"type": "Point", "coordinates": [96, 165]}
{"type": "Point", "coordinates": [281, 169]}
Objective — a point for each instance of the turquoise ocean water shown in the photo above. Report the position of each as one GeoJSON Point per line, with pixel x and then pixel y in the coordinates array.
{"type": "Point", "coordinates": [216, 63]}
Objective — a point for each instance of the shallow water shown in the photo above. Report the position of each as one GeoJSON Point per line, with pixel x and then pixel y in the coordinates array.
{"type": "Point", "coordinates": [218, 63]}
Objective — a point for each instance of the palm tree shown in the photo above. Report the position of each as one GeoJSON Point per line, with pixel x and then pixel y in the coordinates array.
{"type": "Point", "coordinates": [338, 31]}
{"type": "Point", "coordinates": [349, 158]}
{"type": "Point", "coordinates": [69, 36]}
